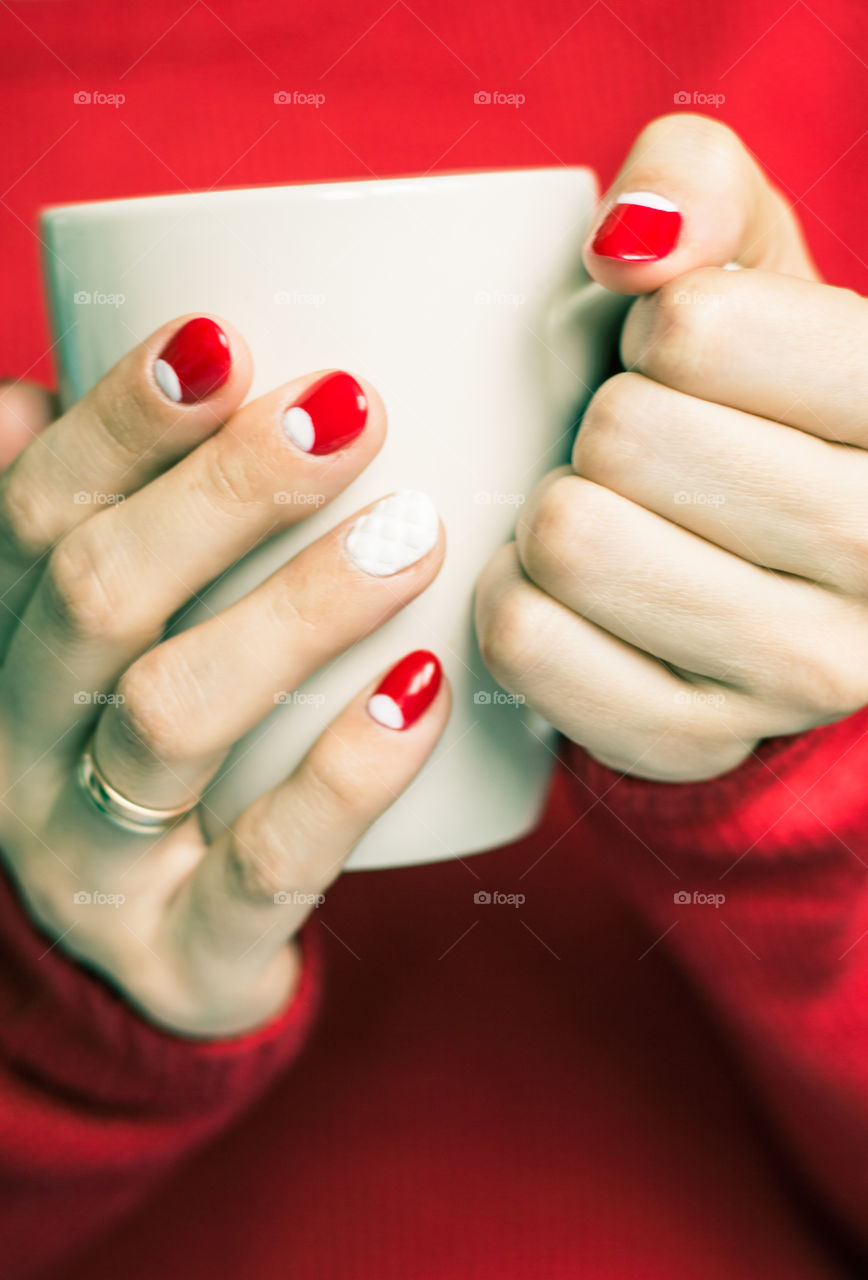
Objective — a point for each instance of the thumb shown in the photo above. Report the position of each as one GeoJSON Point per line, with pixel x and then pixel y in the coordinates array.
{"type": "Point", "coordinates": [25, 409]}
{"type": "Point", "coordinates": [690, 194]}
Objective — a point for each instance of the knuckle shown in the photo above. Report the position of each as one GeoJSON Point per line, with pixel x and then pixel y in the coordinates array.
{"type": "Point", "coordinates": [116, 408]}
{"type": "Point", "coordinates": [152, 718]}
{"type": "Point", "coordinates": [608, 439]}
{"type": "Point", "coordinates": [510, 632]}
{"type": "Point", "coordinates": [77, 596]}
{"type": "Point", "coordinates": [674, 334]}
{"type": "Point", "coordinates": [232, 477]}
{"type": "Point", "coordinates": [335, 786]}
{"type": "Point", "coordinates": [822, 679]}
{"type": "Point", "coordinates": [28, 521]}
{"type": "Point", "coordinates": [257, 865]}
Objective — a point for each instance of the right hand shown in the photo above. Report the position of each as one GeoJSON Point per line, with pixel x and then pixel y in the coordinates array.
{"type": "Point", "coordinates": [199, 943]}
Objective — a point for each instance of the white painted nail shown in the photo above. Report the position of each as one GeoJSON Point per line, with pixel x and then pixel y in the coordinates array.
{"type": "Point", "coordinates": [395, 533]}
{"type": "Point", "coordinates": [298, 425]}
{"type": "Point", "coordinates": [385, 711]}
{"type": "Point", "coordinates": [167, 380]}
{"type": "Point", "coordinates": [648, 198]}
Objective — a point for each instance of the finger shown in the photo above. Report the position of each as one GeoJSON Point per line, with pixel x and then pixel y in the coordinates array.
{"type": "Point", "coordinates": [123, 432]}
{"type": "Point", "coordinates": [183, 705]}
{"type": "Point", "coordinates": [771, 345]}
{"type": "Point", "coordinates": [780, 498]}
{"type": "Point", "coordinates": [110, 586]}
{"type": "Point", "coordinates": [25, 410]}
{"type": "Point", "coordinates": [691, 604]}
{"type": "Point", "coordinates": [690, 194]}
{"type": "Point", "coordinates": [622, 705]}
{"type": "Point", "coordinates": [259, 881]}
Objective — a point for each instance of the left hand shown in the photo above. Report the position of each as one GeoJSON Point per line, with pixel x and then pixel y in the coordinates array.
{"type": "Point", "coordinates": [697, 579]}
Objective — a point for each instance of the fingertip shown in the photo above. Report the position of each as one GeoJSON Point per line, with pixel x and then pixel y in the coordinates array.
{"type": "Point", "coordinates": [197, 363]}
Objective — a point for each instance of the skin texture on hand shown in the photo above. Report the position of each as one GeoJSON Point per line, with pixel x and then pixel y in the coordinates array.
{"type": "Point", "coordinates": [197, 936]}
{"type": "Point", "coordinates": [697, 579]}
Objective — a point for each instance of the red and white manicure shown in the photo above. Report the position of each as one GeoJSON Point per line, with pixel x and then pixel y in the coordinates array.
{"type": "Point", "coordinates": [407, 690]}
{"type": "Point", "coordinates": [328, 416]}
{"type": "Point", "coordinates": [194, 362]}
{"type": "Point", "coordinates": [640, 227]}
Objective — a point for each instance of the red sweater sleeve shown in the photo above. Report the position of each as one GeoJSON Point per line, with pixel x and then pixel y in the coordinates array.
{"type": "Point", "coordinates": [96, 1104]}
{"type": "Point", "coordinates": [782, 956]}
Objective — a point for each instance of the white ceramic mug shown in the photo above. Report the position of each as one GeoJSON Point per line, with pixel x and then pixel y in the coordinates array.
{"type": "Point", "coordinates": [462, 298]}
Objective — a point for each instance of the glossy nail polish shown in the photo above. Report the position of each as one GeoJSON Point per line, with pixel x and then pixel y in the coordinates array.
{"type": "Point", "coordinates": [328, 416]}
{"type": "Point", "coordinates": [407, 690]}
{"type": "Point", "coordinates": [640, 227]}
{"type": "Point", "coordinates": [194, 363]}
{"type": "Point", "coordinates": [395, 533]}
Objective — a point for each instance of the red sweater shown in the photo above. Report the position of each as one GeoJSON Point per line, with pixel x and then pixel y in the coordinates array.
{"type": "Point", "coordinates": [604, 1082]}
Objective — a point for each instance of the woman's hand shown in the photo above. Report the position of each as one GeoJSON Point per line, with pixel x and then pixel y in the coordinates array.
{"type": "Point", "coordinates": [88, 581]}
{"type": "Point", "coordinates": [697, 579]}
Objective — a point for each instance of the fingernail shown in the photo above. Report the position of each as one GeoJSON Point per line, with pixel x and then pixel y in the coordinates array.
{"type": "Point", "coordinates": [395, 533]}
{"type": "Point", "coordinates": [640, 227]}
{"type": "Point", "coordinates": [407, 690]}
{"type": "Point", "coordinates": [328, 416]}
{"type": "Point", "coordinates": [194, 362]}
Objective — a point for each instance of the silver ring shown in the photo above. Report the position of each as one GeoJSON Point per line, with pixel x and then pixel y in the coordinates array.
{"type": "Point", "coordinates": [117, 808]}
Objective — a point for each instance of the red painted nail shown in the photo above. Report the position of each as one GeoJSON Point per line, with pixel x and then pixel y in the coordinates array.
{"type": "Point", "coordinates": [328, 416]}
{"type": "Point", "coordinates": [640, 227]}
{"type": "Point", "coordinates": [194, 362]}
{"type": "Point", "coordinates": [407, 690]}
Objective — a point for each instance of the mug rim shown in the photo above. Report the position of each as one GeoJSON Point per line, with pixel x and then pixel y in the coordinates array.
{"type": "Point", "coordinates": [341, 188]}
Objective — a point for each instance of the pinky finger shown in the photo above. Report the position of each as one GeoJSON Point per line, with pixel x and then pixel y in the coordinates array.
{"type": "Point", "coordinates": [261, 879]}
